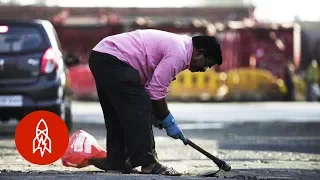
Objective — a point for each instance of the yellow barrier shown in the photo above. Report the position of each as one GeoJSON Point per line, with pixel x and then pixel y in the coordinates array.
{"type": "Point", "coordinates": [194, 85]}
{"type": "Point", "coordinates": [251, 83]}
{"type": "Point", "coordinates": [211, 85]}
{"type": "Point", "coordinates": [251, 80]}
{"type": "Point", "coordinates": [301, 88]}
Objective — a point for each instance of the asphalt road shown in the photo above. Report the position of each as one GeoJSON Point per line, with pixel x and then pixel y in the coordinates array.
{"type": "Point", "coordinates": [220, 112]}
{"type": "Point", "coordinates": [259, 140]}
{"type": "Point", "coordinates": [273, 126]}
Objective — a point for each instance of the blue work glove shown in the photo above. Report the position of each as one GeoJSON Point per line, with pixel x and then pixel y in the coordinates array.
{"type": "Point", "coordinates": [172, 128]}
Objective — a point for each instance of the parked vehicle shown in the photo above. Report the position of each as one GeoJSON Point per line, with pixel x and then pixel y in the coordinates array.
{"type": "Point", "coordinates": [78, 37]}
{"type": "Point", "coordinates": [33, 70]}
{"type": "Point", "coordinates": [82, 83]}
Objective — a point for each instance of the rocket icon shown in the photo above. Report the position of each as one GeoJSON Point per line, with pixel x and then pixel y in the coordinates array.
{"type": "Point", "coordinates": [42, 141]}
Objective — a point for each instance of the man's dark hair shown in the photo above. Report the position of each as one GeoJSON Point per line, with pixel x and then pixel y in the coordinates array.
{"type": "Point", "coordinates": [210, 45]}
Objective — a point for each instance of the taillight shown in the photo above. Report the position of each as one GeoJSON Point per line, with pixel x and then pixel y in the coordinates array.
{"type": "Point", "coordinates": [49, 62]}
{"type": "Point", "coordinates": [4, 29]}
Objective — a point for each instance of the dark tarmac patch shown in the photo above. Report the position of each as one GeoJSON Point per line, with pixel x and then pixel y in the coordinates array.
{"type": "Point", "coordinates": [6, 171]}
{"type": "Point", "coordinates": [97, 175]}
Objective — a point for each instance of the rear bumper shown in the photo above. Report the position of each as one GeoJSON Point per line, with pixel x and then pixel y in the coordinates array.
{"type": "Point", "coordinates": [43, 89]}
{"type": "Point", "coordinates": [7, 113]}
{"type": "Point", "coordinates": [44, 95]}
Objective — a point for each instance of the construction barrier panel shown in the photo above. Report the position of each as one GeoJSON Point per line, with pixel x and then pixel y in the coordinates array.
{"type": "Point", "coordinates": [194, 86]}
{"type": "Point", "coordinates": [237, 84]}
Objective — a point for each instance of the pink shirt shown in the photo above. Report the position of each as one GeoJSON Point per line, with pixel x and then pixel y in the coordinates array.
{"type": "Point", "coordinates": [158, 56]}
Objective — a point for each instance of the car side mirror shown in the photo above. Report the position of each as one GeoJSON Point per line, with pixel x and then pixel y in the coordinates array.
{"type": "Point", "coordinates": [71, 60]}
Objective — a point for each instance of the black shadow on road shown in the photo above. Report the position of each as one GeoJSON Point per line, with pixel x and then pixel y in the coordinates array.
{"type": "Point", "coordinates": [249, 174]}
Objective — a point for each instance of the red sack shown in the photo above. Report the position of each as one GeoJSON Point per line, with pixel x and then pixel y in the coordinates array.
{"type": "Point", "coordinates": [82, 146]}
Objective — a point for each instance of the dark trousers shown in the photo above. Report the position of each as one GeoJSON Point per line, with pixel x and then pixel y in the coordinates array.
{"type": "Point", "coordinates": [127, 110]}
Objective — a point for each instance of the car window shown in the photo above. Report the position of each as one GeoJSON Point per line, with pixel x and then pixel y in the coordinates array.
{"type": "Point", "coordinates": [19, 39]}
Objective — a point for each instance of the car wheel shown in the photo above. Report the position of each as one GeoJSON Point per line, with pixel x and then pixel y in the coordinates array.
{"type": "Point", "coordinates": [68, 118]}
{"type": "Point", "coordinates": [65, 113]}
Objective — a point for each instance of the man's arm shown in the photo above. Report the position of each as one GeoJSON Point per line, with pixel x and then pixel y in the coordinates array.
{"type": "Point", "coordinates": [158, 86]}
{"type": "Point", "coordinates": [160, 108]}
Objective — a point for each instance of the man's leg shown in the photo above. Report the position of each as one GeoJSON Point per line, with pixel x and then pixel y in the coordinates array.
{"type": "Point", "coordinates": [134, 111]}
{"type": "Point", "coordinates": [133, 108]}
{"type": "Point", "coordinates": [115, 140]}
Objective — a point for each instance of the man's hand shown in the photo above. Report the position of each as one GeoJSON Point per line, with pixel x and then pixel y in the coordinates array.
{"type": "Point", "coordinates": [162, 112]}
{"type": "Point", "coordinates": [172, 128]}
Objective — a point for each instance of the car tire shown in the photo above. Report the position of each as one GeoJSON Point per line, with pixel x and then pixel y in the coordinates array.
{"type": "Point", "coordinates": [65, 113]}
{"type": "Point", "coordinates": [68, 118]}
{"type": "Point", "coordinates": [68, 114]}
